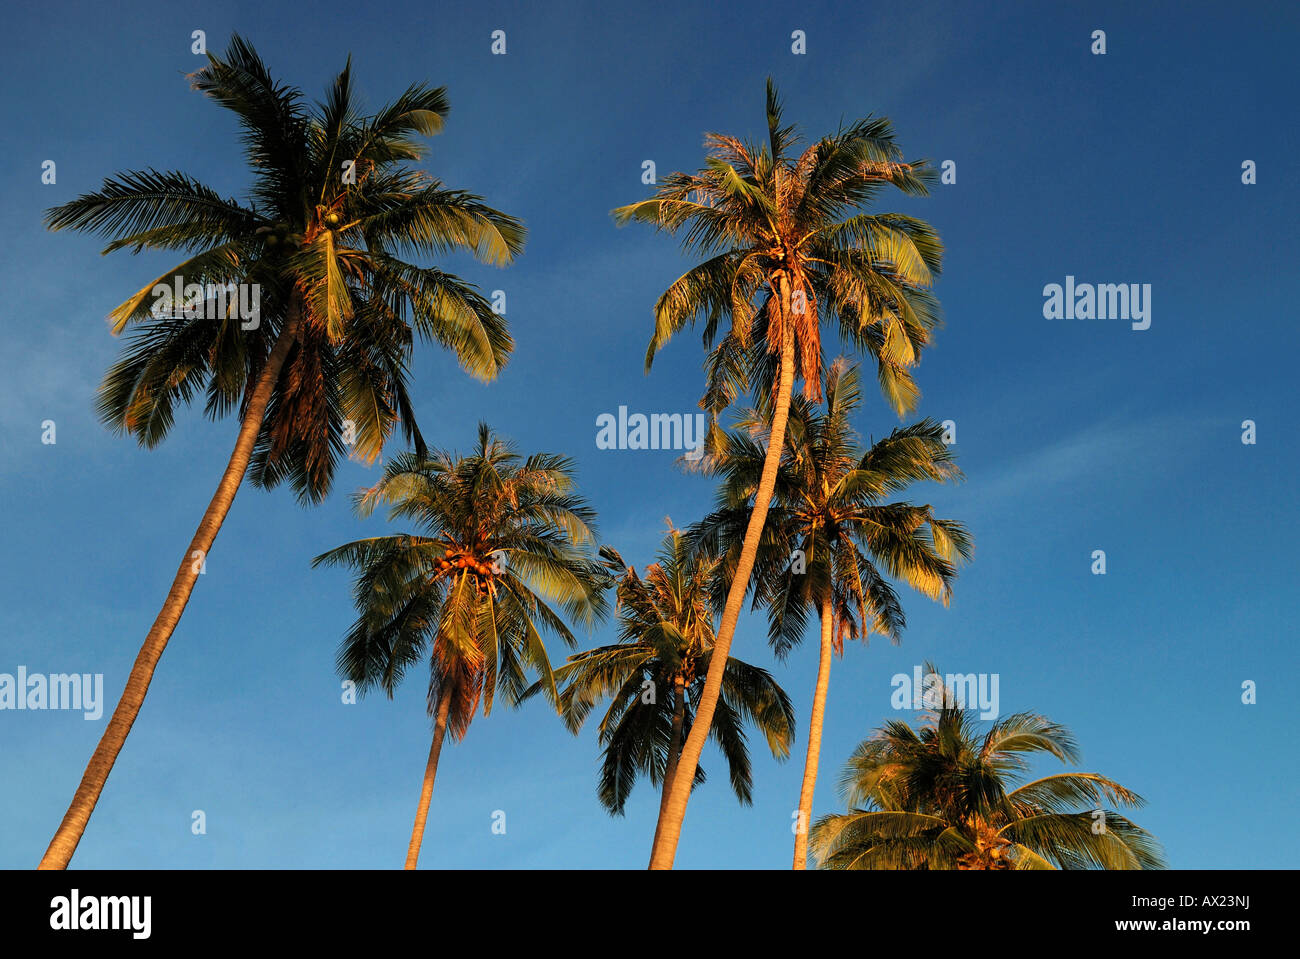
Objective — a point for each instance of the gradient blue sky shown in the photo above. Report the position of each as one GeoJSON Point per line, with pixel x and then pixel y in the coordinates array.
{"type": "Point", "coordinates": [1075, 435]}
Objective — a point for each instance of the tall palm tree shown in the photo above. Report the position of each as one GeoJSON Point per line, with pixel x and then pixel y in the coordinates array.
{"type": "Point", "coordinates": [786, 247]}
{"type": "Point", "coordinates": [333, 208]}
{"type": "Point", "coordinates": [830, 533]}
{"type": "Point", "coordinates": [945, 797]}
{"type": "Point", "coordinates": [501, 536]}
{"type": "Point", "coordinates": [652, 678]}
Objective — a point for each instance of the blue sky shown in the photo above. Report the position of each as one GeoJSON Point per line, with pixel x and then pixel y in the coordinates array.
{"type": "Point", "coordinates": [1075, 435]}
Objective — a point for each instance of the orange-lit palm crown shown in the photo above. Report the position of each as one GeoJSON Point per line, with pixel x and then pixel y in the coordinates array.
{"type": "Point", "coordinates": [788, 248]}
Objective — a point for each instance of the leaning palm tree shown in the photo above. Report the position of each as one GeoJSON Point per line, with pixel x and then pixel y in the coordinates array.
{"type": "Point", "coordinates": [501, 537]}
{"type": "Point", "coordinates": [786, 247]}
{"type": "Point", "coordinates": [830, 533]}
{"type": "Point", "coordinates": [945, 797]}
{"type": "Point", "coordinates": [653, 675]}
{"type": "Point", "coordinates": [322, 363]}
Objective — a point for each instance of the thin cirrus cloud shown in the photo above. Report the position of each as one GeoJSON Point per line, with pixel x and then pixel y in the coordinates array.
{"type": "Point", "coordinates": [1123, 453]}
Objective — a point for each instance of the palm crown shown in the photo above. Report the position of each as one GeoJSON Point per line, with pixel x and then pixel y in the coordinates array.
{"type": "Point", "coordinates": [333, 207]}
{"type": "Point", "coordinates": [665, 644]}
{"type": "Point", "coordinates": [502, 538]}
{"type": "Point", "coordinates": [944, 797]}
{"type": "Point", "coordinates": [787, 249]}
{"type": "Point", "coordinates": [829, 531]}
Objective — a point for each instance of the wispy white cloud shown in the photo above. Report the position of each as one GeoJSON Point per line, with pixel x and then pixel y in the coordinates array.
{"type": "Point", "coordinates": [1139, 450]}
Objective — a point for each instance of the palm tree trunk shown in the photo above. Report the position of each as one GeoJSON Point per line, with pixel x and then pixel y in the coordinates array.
{"type": "Point", "coordinates": [674, 751]}
{"type": "Point", "coordinates": [70, 830]}
{"type": "Point", "coordinates": [430, 772]}
{"type": "Point", "coordinates": [665, 847]}
{"type": "Point", "coordinates": [814, 739]}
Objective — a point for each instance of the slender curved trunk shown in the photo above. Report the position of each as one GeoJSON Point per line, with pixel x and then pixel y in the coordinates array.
{"type": "Point", "coordinates": [430, 773]}
{"type": "Point", "coordinates": [814, 739]}
{"type": "Point", "coordinates": [674, 751]}
{"type": "Point", "coordinates": [665, 847]}
{"type": "Point", "coordinates": [70, 830]}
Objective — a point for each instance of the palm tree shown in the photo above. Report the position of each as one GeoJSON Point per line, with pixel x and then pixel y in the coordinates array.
{"type": "Point", "coordinates": [829, 533]}
{"type": "Point", "coordinates": [945, 797]}
{"type": "Point", "coordinates": [501, 537]}
{"type": "Point", "coordinates": [332, 209]}
{"type": "Point", "coordinates": [785, 247]}
{"type": "Point", "coordinates": [665, 644]}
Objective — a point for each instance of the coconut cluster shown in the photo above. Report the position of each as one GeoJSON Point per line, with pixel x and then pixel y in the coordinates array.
{"type": "Point", "coordinates": [453, 559]}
